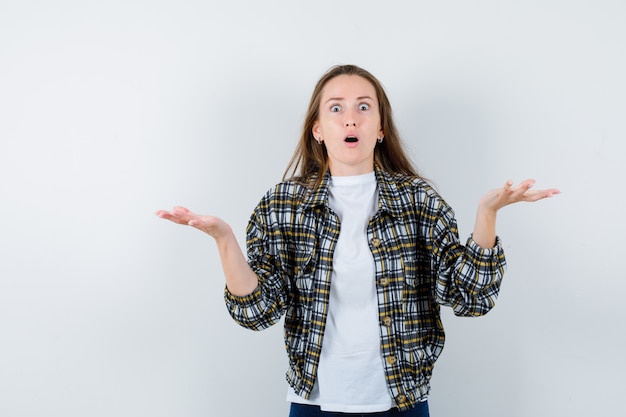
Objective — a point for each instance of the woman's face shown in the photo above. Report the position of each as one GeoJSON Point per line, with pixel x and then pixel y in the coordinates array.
{"type": "Point", "coordinates": [349, 124]}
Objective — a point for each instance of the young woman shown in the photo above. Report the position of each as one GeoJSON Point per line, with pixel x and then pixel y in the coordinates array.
{"type": "Point", "coordinates": [359, 253]}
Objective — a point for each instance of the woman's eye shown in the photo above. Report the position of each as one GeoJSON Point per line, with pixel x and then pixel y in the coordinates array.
{"type": "Point", "coordinates": [364, 106]}
{"type": "Point", "coordinates": [335, 108]}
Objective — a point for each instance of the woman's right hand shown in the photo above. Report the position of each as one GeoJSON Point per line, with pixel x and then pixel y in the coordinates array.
{"type": "Point", "coordinates": [211, 225]}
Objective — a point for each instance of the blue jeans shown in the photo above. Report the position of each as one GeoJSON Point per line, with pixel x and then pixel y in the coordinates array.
{"type": "Point", "coordinates": [303, 410]}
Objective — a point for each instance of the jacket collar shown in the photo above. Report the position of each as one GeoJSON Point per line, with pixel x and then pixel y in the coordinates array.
{"type": "Point", "coordinates": [389, 199]}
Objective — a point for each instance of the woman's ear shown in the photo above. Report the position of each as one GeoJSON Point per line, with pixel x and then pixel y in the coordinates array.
{"type": "Point", "coordinates": [317, 134]}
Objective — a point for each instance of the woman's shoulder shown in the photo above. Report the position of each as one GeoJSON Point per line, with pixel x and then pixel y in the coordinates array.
{"type": "Point", "coordinates": [412, 184]}
{"type": "Point", "coordinates": [289, 191]}
{"type": "Point", "coordinates": [408, 192]}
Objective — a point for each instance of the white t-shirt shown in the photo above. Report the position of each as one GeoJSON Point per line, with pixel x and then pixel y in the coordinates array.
{"type": "Point", "coordinates": [350, 376]}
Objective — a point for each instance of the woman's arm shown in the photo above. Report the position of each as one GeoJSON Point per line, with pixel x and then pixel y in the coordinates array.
{"type": "Point", "coordinates": [485, 227]}
{"type": "Point", "coordinates": [240, 279]}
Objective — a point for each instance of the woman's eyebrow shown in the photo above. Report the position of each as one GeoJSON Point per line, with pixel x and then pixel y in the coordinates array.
{"type": "Point", "coordinates": [334, 99]}
{"type": "Point", "coordinates": [341, 98]}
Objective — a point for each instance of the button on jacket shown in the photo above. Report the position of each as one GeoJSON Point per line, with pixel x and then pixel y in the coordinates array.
{"type": "Point", "coordinates": [420, 264]}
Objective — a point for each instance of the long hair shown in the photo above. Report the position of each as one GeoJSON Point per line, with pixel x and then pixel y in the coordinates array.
{"type": "Point", "coordinates": [310, 159]}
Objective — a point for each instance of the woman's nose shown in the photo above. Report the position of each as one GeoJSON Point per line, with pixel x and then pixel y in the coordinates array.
{"type": "Point", "coordinates": [350, 119]}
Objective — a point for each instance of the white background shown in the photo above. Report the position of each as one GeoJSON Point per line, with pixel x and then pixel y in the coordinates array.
{"type": "Point", "coordinates": [112, 110]}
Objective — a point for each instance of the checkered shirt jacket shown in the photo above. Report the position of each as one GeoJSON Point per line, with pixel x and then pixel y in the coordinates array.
{"type": "Point", "coordinates": [420, 265]}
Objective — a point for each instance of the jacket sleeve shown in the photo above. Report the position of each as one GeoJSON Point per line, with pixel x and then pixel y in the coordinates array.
{"type": "Point", "coordinates": [468, 277]}
{"type": "Point", "coordinates": [266, 304]}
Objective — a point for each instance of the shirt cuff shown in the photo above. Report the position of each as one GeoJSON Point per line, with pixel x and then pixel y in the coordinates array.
{"type": "Point", "coordinates": [243, 300]}
{"type": "Point", "coordinates": [481, 252]}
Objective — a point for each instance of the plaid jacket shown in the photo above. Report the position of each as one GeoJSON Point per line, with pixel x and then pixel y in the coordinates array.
{"type": "Point", "coordinates": [419, 265]}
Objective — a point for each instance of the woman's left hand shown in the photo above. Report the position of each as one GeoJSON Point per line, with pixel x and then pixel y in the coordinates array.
{"type": "Point", "coordinates": [485, 227]}
{"type": "Point", "coordinates": [497, 198]}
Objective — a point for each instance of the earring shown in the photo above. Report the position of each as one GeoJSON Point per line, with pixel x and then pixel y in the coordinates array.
{"type": "Point", "coordinates": [320, 140]}
{"type": "Point", "coordinates": [380, 140]}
